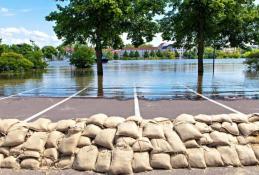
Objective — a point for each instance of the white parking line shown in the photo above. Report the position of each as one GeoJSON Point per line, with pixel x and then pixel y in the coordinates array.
{"type": "Point", "coordinates": [53, 106]}
{"type": "Point", "coordinates": [136, 103]}
{"type": "Point", "coordinates": [213, 101]}
{"type": "Point", "coordinates": [4, 98]}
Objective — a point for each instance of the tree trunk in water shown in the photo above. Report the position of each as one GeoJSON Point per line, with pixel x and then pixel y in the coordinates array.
{"type": "Point", "coordinates": [99, 55]}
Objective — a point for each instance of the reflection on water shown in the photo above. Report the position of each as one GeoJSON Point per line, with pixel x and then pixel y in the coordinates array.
{"type": "Point", "coordinates": [154, 80]}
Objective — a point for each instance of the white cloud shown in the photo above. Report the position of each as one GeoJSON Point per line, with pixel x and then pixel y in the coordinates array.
{"type": "Point", "coordinates": [5, 12]}
{"type": "Point", "coordinates": [14, 35]}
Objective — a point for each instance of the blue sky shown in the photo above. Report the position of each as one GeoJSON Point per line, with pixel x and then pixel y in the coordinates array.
{"type": "Point", "coordinates": [22, 20]}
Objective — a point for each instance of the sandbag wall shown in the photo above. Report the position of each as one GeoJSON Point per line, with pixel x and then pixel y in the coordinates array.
{"type": "Point", "coordinates": [122, 146]}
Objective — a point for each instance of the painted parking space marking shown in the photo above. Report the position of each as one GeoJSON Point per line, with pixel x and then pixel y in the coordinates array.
{"type": "Point", "coordinates": [136, 103]}
{"type": "Point", "coordinates": [53, 106]}
{"type": "Point", "coordinates": [20, 93]}
{"type": "Point", "coordinates": [213, 101]}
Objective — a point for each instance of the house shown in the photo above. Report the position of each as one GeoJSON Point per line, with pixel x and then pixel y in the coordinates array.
{"type": "Point", "coordinates": [141, 51]}
{"type": "Point", "coordinates": [167, 46]}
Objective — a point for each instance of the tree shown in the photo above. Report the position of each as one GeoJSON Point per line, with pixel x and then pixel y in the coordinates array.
{"type": "Point", "coordinates": [136, 54]}
{"type": "Point", "coordinates": [37, 58]}
{"type": "Point", "coordinates": [61, 52]}
{"type": "Point", "coordinates": [146, 54]}
{"type": "Point", "coordinates": [49, 52]}
{"type": "Point", "coordinates": [152, 54]}
{"type": "Point", "coordinates": [199, 22]}
{"type": "Point", "coordinates": [83, 57]}
{"type": "Point", "coordinates": [115, 56]}
{"type": "Point", "coordinates": [159, 54]}
{"type": "Point", "coordinates": [125, 54]}
{"type": "Point", "coordinates": [103, 22]}
{"type": "Point", "coordinates": [109, 55]}
{"type": "Point", "coordinates": [131, 54]}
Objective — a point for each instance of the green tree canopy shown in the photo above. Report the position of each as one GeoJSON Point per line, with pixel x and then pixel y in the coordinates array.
{"type": "Point", "coordinates": [49, 52]}
{"type": "Point", "coordinates": [202, 22]}
{"type": "Point", "coordinates": [83, 57]}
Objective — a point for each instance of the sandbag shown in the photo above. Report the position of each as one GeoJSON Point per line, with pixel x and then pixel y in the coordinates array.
{"type": "Point", "coordinates": [221, 118]}
{"type": "Point", "coordinates": [136, 119]}
{"type": "Point", "coordinates": [212, 157]}
{"type": "Point", "coordinates": [65, 125]}
{"type": "Point", "coordinates": [32, 164]}
{"type": "Point", "coordinates": [65, 162]}
{"type": "Point", "coordinates": [1, 158]}
{"type": "Point", "coordinates": [40, 125]}
{"type": "Point", "coordinates": [52, 126]}
{"type": "Point", "coordinates": [142, 145]}
{"type": "Point", "coordinates": [161, 146]}
{"type": "Point", "coordinates": [153, 131]}
{"type": "Point", "coordinates": [46, 163]}
{"type": "Point", "coordinates": [140, 162]}
{"type": "Point", "coordinates": [246, 155]}
{"type": "Point", "coordinates": [196, 158]}
{"type": "Point", "coordinates": [184, 118]}
{"type": "Point", "coordinates": [84, 141]}
{"type": "Point", "coordinates": [91, 131]}
{"type": "Point", "coordinates": [86, 158]}
{"type": "Point", "coordinates": [164, 122]}
{"type": "Point", "coordinates": [187, 131]}
{"type": "Point", "coordinates": [229, 155]}
{"type": "Point", "coordinates": [239, 118]}
{"type": "Point", "coordinates": [121, 161]}
{"type": "Point", "coordinates": [51, 153]}
{"type": "Point", "coordinates": [16, 151]}
{"type": "Point", "coordinates": [205, 140]}
{"type": "Point", "coordinates": [6, 124]}
{"type": "Point", "coordinates": [5, 151]}
{"type": "Point", "coordinates": [203, 127]}
{"type": "Point", "coordinates": [191, 144]}
{"type": "Point", "coordinates": [203, 118]}
{"type": "Point", "coordinates": [105, 138]}
{"type": "Point", "coordinates": [175, 142]}
{"type": "Point", "coordinates": [36, 142]}
{"type": "Point", "coordinates": [230, 128]}
{"type": "Point", "coordinates": [97, 119]}
{"type": "Point", "coordinates": [179, 161]}
{"type": "Point", "coordinates": [160, 161]}
{"type": "Point", "coordinates": [15, 137]}
{"type": "Point", "coordinates": [10, 162]}
{"type": "Point", "coordinates": [30, 154]}
{"type": "Point", "coordinates": [216, 126]}
{"type": "Point", "coordinates": [248, 129]}
{"type": "Point", "coordinates": [53, 139]}
{"type": "Point", "coordinates": [124, 141]}
{"type": "Point", "coordinates": [103, 161]}
{"type": "Point", "coordinates": [219, 138]}
{"type": "Point", "coordinates": [113, 121]}
{"type": "Point", "coordinates": [128, 129]}
{"type": "Point", "coordinates": [69, 143]}
{"type": "Point", "coordinates": [253, 117]}
{"type": "Point", "coordinates": [256, 151]}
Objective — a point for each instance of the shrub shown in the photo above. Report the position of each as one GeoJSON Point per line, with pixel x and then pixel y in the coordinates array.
{"type": "Point", "coordinates": [83, 57]}
{"type": "Point", "coordinates": [169, 54]}
{"type": "Point", "coordinates": [125, 54]}
{"type": "Point", "coordinates": [132, 54]}
{"type": "Point", "coordinates": [146, 54]}
{"type": "Point", "coordinates": [136, 54]}
{"type": "Point", "coordinates": [152, 54]}
{"type": "Point", "coordinates": [36, 57]}
{"type": "Point", "coordinates": [252, 59]}
{"type": "Point", "coordinates": [115, 56]}
{"type": "Point", "coordinates": [159, 54]}
{"type": "Point", "coordinates": [14, 62]}
{"type": "Point", "coordinates": [49, 52]}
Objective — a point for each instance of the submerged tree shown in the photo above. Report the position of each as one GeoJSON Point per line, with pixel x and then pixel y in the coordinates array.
{"type": "Point", "coordinates": [199, 22]}
{"type": "Point", "coordinates": [103, 22]}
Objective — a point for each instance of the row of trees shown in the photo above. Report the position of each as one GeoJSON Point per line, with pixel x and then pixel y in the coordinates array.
{"type": "Point", "coordinates": [151, 55]}
{"type": "Point", "coordinates": [193, 23]}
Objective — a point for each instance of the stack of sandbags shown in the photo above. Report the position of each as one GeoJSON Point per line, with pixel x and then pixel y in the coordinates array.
{"type": "Point", "coordinates": [122, 146]}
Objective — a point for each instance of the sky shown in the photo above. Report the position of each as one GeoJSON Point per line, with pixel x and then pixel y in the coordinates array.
{"type": "Point", "coordinates": [24, 20]}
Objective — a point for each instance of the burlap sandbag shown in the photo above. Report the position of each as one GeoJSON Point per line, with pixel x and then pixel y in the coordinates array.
{"type": "Point", "coordinates": [212, 157]}
{"type": "Point", "coordinates": [32, 164]}
{"type": "Point", "coordinates": [65, 125]}
{"type": "Point", "coordinates": [136, 119]}
{"type": "Point", "coordinates": [86, 158]}
{"type": "Point", "coordinates": [191, 144]}
{"type": "Point", "coordinates": [246, 155]}
{"type": "Point", "coordinates": [53, 139]}
{"type": "Point", "coordinates": [97, 119]}
{"type": "Point", "coordinates": [105, 138]}
{"type": "Point", "coordinates": [140, 162]}
{"type": "Point", "coordinates": [46, 163]}
{"type": "Point", "coordinates": [161, 146]}
{"type": "Point", "coordinates": [84, 141]}
{"type": "Point", "coordinates": [1, 158]}
{"type": "Point", "coordinates": [229, 155]}
{"type": "Point", "coordinates": [16, 151]}
{"type": "Point", "coordinates": [221, 118]}
{"type": "Point", "coordinates": [113, 121]}
{"type": "Point", "coordinates": [5, 151]}
{"type": "Point", "coordinates": [142, 145]}
{"type": "Point", "coordinates": [121, 161]}
{"type": "Point", "coordinates": [29, 154]}
{"type": "Point", "coordinates": [124, 141]}
{"type": "Point", "coordinates": [164, 122]}
{"type": "Point", "coordinates": [219, 138]}
{"type": "Point", "coordinates": [179, 161]}
{"type": "Point", "coordinates": [205, 140]}
{"type": "Point", "coordinates": [232, 139]}
{"type": "Point", "coordinates": [160, 161]}
{"type": "Point", "coordinates": [249, 139]}
{"type": "Point", "coordinates": [239, 118]}
{"type": "Point", "coordinates": [91, 131]}
{"type": "Point", "coordinates": [36, 142]}
{"type": "Point", "coordinates": [128, 129]}
{"type": "Point", "coordinates": [103, 162]}
{"type": "Point", "coordinates": [65, 162]}
{"type": "Point", "coordinates": [203, 127]}
{"type": "Point", "coordinates": [196, 158]}
{"type": "Point", "coordinates": [187, 131]}
{"type": "Point", "coordinates": [69, 143]}
{"type": "Point", "coordinates": [15, 137]}
{"type": "Point", "coordinates": [153, 131]}
{"type": "Point", "coordinates": [175, 142]}
{"type": "Point", "coordinates": [51, 153]}
{"type": "Point", "coordinates": [230, 128]}
{"type": "Point", "coordinates": [52, 126]}
{"type": "Point", "coordinates": [10, 162]}
{"type": "Point", "coordinates": [6, 124]}
{"type": "Point", "coordinates": [40, 125]}
{"type": "Point", "coordinates": [248, 129]}
{"type": "Point", "coordinates": [203, 118]}
{"type": "Point", "coordinates": [253, 117]}
{"type": "Point", "coordinates": [216, 126]}
{"type": "Point", "coordinates": [256, 150]}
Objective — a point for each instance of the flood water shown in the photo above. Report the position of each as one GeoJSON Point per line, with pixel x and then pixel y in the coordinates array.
{"type": "Point", "coordinates": [163, 79]}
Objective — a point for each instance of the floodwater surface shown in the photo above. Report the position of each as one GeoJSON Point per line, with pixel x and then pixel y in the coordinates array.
{"type": "Point", "coordinates": [153, 79]}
